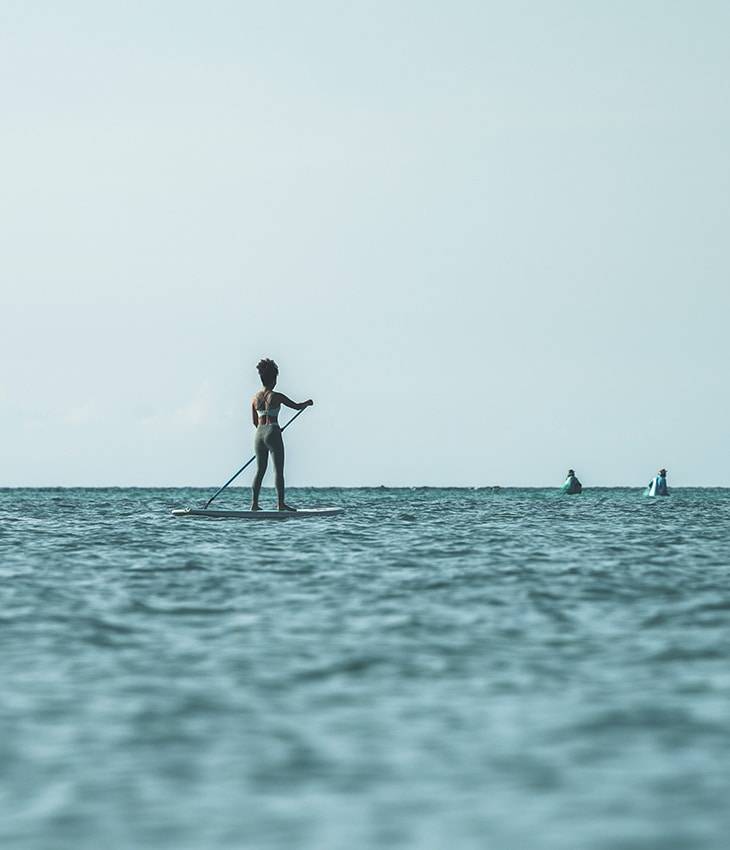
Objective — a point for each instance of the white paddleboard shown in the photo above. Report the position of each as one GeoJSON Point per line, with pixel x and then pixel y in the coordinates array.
{"type": "Point", "coordinates": [300, 514]}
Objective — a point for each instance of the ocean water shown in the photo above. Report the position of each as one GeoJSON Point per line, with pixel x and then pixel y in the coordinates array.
{"type": "Point", "coordinates": [437, 668]}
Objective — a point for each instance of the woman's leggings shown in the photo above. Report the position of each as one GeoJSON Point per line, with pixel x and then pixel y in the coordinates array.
{"type": "Point", "coordinates": [268, 439]}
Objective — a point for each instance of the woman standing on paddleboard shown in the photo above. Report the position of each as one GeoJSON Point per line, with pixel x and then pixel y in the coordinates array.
{"type": "Point", "coordinates": [265, 408]}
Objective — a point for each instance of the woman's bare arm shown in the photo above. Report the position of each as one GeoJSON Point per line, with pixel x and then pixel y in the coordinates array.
{"type": "Point", "coordinates": [295, 405]}
{"type": "Point", "coordinates": [254, 415]}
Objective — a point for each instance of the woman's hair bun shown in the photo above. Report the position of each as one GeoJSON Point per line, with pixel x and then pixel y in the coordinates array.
{"type": "Point", "coordinates": [267, 369]}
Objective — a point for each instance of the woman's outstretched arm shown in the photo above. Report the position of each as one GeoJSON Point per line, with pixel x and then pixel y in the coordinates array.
{"type": "Point", "coordinates": [295, 405]}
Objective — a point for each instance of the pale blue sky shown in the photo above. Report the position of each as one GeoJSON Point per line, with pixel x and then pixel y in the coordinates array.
{"type": "Point", "coordinates": [489, 239]}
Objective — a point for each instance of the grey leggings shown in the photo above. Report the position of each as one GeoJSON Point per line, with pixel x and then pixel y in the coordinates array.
{"type": "Point", "coordinates": [268, 439]}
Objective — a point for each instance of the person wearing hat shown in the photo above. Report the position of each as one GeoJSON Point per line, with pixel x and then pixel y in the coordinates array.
{"type": "Point", "coordinates": [571, 484]}
{"type": "Point", "coordinates": [658, 484]}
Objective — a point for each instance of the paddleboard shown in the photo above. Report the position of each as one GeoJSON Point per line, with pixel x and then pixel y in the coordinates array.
{"type": "Point", "coordinates": [304, 513]}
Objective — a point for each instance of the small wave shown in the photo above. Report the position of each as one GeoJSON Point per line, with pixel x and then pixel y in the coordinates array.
{"type": "Point", "coordinates": [346, 667]}
{"type": "Point", "coordinates": [182, 610]}
{"type": "Point", "coordinates": [188, 566]}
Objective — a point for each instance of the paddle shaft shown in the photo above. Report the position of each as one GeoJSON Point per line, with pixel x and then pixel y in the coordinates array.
{"type": "Point", "coordinates": [248, 463]}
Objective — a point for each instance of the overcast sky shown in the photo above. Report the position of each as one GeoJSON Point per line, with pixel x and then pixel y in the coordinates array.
{"type": "Point", "coordinates": [489, 239]}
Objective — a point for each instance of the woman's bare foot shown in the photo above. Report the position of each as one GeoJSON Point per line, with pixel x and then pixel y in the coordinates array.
{"type": "Point", "coordinates": [285, 507]}
{"type": "Point", "coordinates": [255, 507]}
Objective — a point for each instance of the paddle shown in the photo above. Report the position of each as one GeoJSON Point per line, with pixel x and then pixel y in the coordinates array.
{"type": "Point", "coordinates": [248, 463]}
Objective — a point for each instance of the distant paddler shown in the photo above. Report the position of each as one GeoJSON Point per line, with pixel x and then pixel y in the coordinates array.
{"type": "Point", "coordinates": [658, 484]}
{"type": "Point", "coordinates": [265, 407]}
{"type": "Point", "coordinates": [571, 484]}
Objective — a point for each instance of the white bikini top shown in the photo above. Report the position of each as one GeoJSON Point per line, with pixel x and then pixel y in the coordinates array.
{"type": "Point", "coordinates": [268, 412]}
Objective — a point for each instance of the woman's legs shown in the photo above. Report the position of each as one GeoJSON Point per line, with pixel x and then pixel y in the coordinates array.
{"type": "Point", "coordinates": [276, 447]}
{"type": "Point", "coordinates": [262, 461]}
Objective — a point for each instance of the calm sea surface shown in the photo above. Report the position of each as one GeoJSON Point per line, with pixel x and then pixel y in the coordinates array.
{"type": "Point", "coordinates": [436, 669]}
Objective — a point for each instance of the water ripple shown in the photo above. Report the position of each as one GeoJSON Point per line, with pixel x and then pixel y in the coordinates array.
{"type": "Point", "coordinates": [437, 667]}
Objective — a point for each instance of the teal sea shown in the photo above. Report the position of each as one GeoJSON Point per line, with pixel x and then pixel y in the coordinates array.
{"type": "Point", "coordinates": [437, 668]}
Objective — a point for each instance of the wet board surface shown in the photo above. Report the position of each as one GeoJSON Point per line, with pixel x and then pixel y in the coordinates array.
{"type": "Point", "coordinates": [303, 513]}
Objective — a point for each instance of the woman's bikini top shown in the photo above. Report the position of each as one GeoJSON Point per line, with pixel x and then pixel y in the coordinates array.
{"type": "Point", "coordinates": [268, 412]}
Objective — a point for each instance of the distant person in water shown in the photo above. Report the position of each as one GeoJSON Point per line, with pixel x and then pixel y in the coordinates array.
{"type": "Point", "coordinates": [265, 407]}
{"type": "Point", "coordinates": [571, 484]}
{"type": "Point", "coordinates": [658, 484]}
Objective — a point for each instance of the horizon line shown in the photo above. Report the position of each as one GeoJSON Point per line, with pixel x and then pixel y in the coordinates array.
{"type": "Point", "coordinates": [353, 487]}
